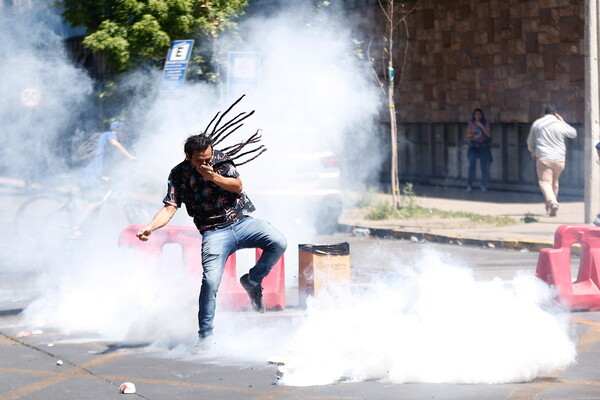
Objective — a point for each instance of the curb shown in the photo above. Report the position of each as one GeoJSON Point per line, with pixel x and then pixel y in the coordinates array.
{"type": "Point", "coordinates": [511, 244]}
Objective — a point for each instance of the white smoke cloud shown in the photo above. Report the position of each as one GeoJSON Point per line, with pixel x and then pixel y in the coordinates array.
{"type": "Point", "coordinates": [434, 323]}
{"type": "Point", "coordinates": [117, 296]}
{"type": "Point", "coordinates": [34, 61]}
{"type": "Point", "coordinates": [429, 322]}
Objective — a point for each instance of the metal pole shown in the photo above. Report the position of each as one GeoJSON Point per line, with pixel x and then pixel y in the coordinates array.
{"type": "Point", "coordinates": [592, 113]}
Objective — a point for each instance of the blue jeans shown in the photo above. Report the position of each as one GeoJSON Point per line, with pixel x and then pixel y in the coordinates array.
{"type": "Point", "coordinates": [219, 244]}
{"type": "Point", "coordinates": [484, 155]}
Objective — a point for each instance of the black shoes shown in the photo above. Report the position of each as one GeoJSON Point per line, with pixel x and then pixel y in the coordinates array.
{"type": "Point", "coordinates": [255, 292]}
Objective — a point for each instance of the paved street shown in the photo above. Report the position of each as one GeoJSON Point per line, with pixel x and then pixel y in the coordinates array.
{"type": "Point", "coordinates": [473, 311]}
{"type": "Point", "coordinates": [93, 367]}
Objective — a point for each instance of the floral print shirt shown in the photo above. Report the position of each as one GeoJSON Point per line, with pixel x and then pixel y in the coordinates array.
{"type": "Point", "coordinates": [211, 206]}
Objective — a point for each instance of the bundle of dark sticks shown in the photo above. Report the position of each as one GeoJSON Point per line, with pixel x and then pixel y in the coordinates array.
{"type": "Point", "coordinates": [222, 130]}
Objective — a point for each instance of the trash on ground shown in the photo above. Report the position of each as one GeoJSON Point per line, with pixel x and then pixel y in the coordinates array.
{"type": "Point", "coordinates": [127, 388]}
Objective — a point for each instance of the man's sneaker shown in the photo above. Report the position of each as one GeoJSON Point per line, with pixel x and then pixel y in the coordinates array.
{"type": "Point", "coordinates": [254, 291]}
{"type": "Point", "coordinates": [469, 188]}
{"type": "Point", "coordinates": [203, 343]}
{"type": "Point", "coordinates": [553, 209]}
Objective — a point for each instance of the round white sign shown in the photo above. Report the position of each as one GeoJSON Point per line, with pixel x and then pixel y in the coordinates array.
{"type": "Point", "coordinates": [30, 96]}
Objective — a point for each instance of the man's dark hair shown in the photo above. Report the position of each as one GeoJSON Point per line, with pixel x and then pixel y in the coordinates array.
{"type": "Point", "coordinates": [550, 109]}
{"type": "Point", "coordinates": [198, 142]}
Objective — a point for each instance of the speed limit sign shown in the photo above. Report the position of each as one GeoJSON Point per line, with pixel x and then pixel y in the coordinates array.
{"type": "Point", "coordinates": [30, 96]}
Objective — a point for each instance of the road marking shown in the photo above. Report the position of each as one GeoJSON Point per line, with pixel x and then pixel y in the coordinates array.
{"type": "Point", "coordinates": [57, 378]}
{"type": "Point", "coordinates": [262, 394]}
{"type": "Point", "coordinates": [584, 321]}
{"type": "Point", "coordinates": [79, 373]}
{"type": "Point", "coordinates": [526, 390]}
{"type": "Point", "coordinates": [27, 371]}
{"type": "Point", "coordinates": [590, 337]}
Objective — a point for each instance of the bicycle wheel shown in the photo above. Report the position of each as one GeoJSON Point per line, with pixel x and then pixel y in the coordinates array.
{"type": "Point", "coordinates": [44, 222]}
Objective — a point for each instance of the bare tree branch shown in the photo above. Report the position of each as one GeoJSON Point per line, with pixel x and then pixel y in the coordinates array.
{"type": "Point", "coordinates": [383, 10]}
{"type": "Point", "coordinates": [379, 82]}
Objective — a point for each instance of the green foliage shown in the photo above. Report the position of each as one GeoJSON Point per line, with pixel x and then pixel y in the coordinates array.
{"type": "Point", "coordinates": [110, 39]}
{"type": "Point", "coordinates": [367, 197]}
{"type": "Point", "coordinates": [129, 31]}
{"type": "Point", "coordinates": [383, 210]}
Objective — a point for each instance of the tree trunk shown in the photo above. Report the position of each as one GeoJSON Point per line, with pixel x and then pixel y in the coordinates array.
{"type": "Point", "coordinates": [395, 181]}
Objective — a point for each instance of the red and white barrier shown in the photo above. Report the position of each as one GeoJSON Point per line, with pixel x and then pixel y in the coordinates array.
{"type": "Point", "coordinates": [232, 295]}
{"type": "Point", "coordinates": [554, 267]}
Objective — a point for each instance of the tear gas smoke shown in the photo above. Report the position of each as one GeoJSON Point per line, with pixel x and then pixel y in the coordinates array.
{"type": "Point", "coordinates": [43, 93]}
{"type": "Point", "coordinates": [430, 322]}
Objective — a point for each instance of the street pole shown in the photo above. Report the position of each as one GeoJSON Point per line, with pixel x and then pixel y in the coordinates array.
{"type": "Point", "coordinates": [592, 113]}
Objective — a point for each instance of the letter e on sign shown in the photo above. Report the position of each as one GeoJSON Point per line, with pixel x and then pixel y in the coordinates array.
{"type": "Point", "coordinates": [30, 96]}
{"type": "Point", "coordinates": [180, 52]}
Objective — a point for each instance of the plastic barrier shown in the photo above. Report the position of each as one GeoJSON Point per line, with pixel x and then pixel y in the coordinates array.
{"type": "Point", "coordinates": [232, 295]}
{"type": "Point", "coordinates": [273, 288]}
{"type": "Point", "coordinates": [554, 267]}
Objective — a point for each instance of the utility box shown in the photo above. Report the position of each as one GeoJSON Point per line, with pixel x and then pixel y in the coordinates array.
{"type": "Point", "coordinates": [320, 265]}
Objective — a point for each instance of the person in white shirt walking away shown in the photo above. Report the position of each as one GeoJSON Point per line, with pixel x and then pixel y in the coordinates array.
{"type": "Point", "coordinates": [546, 143]}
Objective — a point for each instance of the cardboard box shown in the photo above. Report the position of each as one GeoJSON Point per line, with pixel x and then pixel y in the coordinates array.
{"type": "Point", "coordinates": [320, 266]}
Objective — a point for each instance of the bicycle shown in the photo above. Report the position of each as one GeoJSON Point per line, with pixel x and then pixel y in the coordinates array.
{"type": "Point", "coordinates": [47, 221]}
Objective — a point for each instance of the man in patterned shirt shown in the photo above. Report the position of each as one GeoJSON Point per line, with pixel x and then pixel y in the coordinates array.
{"type": "Point", "coordinates": [209, 185]}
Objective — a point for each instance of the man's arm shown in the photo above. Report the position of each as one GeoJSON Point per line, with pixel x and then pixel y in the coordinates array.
{"type": "Point", "coordinates": [567, 129]}
{"type": "Point", "coordinates": [122, 149]}
{"type": "Point", "coordinates": [162, 217]}
{"type": "Point", "coordinates": [224, 182]}
{"type": "Point", "coordinates": [570, 131]}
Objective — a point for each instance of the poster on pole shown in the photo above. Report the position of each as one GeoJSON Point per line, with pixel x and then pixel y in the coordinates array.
{"type": "Point", "coordinates": [176, 64]}
{"type": "Point", "coordinates": [243, 73]}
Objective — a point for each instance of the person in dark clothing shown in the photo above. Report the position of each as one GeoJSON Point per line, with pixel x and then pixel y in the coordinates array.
{"type": "Point", "coordinates": [480, 134]}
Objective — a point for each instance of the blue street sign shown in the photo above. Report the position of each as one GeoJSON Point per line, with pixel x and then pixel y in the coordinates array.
{"type": "Point", "coordinates": [176, 64]}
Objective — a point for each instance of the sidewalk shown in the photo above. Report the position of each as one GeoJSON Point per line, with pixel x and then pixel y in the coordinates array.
{"type": "Point", "coordinates": [531, 236]}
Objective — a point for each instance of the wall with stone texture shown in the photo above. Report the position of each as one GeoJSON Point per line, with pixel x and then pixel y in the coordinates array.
{"type": "Point", "coordinates": [508, 57]}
